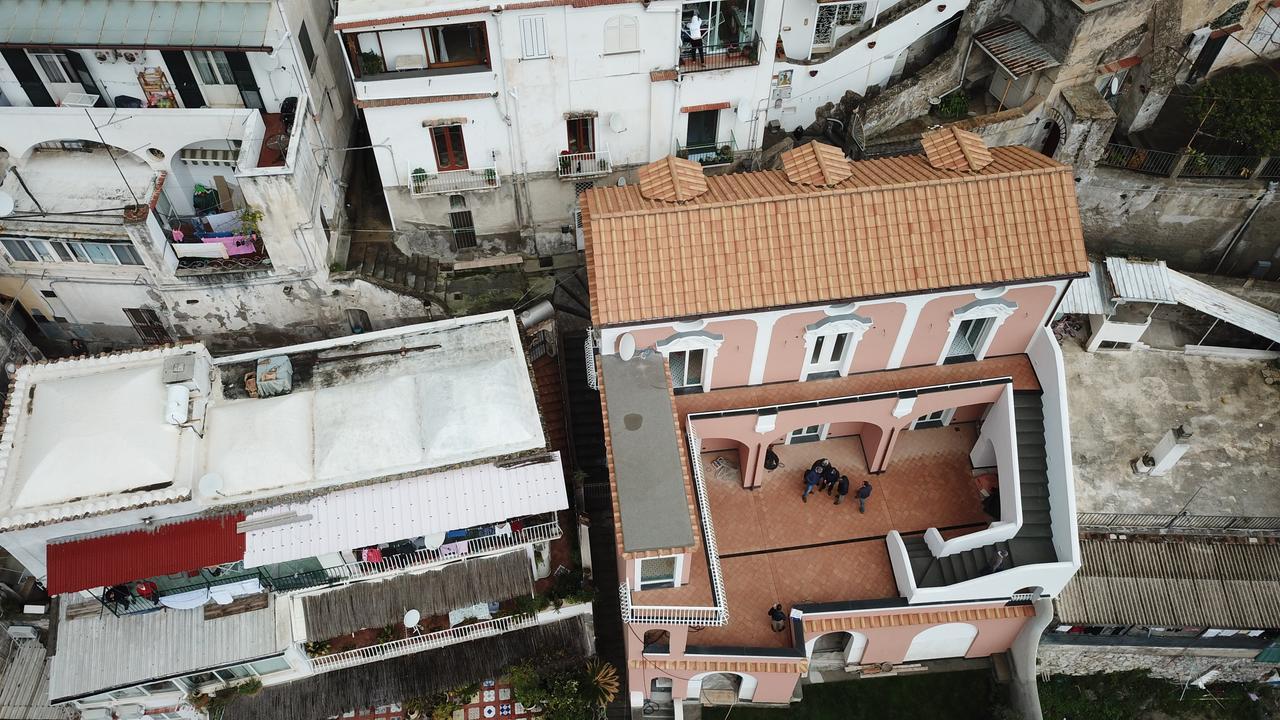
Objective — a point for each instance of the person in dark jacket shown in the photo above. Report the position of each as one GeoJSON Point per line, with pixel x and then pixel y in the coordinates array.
{"type": "Point", "coordinates": [842, 488]}
{"type": "Point", "coordinates": [822, 466]}
{"type": "Point", "coordinates": [863, 493]}
{"type": "Point", "coordinates": [811, 479]}
{"type": "Point", "coordinates": [830, 477]}
{"type": "Point", "coordinates": [777, 618]}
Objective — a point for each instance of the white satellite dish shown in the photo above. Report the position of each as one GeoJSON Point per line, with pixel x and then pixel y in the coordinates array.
{"type": "Point", "coordinates": [411, 619]}
{"type": "Point", "coordinates": [617, 122]}
{"type": "Point", "coordinates": [211, 485]}
{"type": "Point", "coordinates": [6, 204]}
{"type": "Point", "coordinates": [626, 347]}
{"type": "Point", "coordinates": [1115, 84]}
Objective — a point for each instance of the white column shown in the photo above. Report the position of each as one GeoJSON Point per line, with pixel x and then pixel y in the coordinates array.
{"type": "Point", "coordinates": [760, 354]}
{"type": "Point", "coordinates": [914, 306]}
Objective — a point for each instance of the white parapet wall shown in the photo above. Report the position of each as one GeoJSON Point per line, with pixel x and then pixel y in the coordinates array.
{"type": "Point", "coordinates": [1046, 359]}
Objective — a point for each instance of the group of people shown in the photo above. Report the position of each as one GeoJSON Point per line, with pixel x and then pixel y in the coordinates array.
{"type": "Point", "coordinates": [823, 476]}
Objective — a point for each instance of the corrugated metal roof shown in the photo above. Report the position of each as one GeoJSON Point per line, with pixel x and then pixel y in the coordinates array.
{"type": "Point", "coordinates": [1087, 295]}
{"type": "Point", "coordinates": [136, 23]}
{"type": "Point", "coordinates": [1220, 304]}
{"type": "Point", "coordinates": [1184, 581]}
{"type": "Point", "coordinates": [121, 557]}
{"type": "Point", "coordinates": [408, 508]}
{"type": "Point", "coordinates": [1138, 281]}
{"type": "Point", "coordinates": [102, 651]}
{"type": "Point", "coordinates": [1010, 45]}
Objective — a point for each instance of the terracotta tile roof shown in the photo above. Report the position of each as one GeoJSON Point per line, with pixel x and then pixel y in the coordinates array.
{"type": "Point", "coordinates": [814, 625]}
{"type": "Point", "coordinates": [816, 164]}
{"type": "Point", "coordinates": [672, 179]}
{"type": "Point", "coordinates": [951, 148]}
{"type": "Point", "coordinates": [894, 226]}
{"type": "Point", "coordinates": [123, 557]}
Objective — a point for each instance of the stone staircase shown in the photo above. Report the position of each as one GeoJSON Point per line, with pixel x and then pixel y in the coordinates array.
{"type": "Point", "coordinates": [1034, 542]}
{"type": "Point", "coordinates": [418, 276]}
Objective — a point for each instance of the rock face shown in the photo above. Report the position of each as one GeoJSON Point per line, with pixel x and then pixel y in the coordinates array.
{"type": "Point", "coordinates": [1167, 663]}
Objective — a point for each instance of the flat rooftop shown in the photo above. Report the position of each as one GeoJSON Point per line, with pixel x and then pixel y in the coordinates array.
{"type": "Point", "coordinates": [1122, 403]}
{"type": "Point", "coordinates": [89, 435]}
{"type": "Point", "coordinates": [97, 186]}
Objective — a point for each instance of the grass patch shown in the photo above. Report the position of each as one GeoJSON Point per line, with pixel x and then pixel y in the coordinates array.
{"type": "Point", "coordinates": [1135, 695]}
{"type": "Point", "coordinates": [954, 696]}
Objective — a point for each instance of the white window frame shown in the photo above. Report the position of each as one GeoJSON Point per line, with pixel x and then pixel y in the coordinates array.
{"type": "Point", "coordinates": [826, 330]}
{"type": "Point", "coordinates": [620, 26]}
{"type": "Point", "coordinates": [682, 342]}
{"type": "Point", "coordinates": [221, 72]}
{"type": "Point", "coordinates": [533, 38]}
{"type": "Point", "coordinates": [676, 574]}
{"type": "Point", "coordinates": [45, 250]}
{"type": "Point", "coordinates": [946, 416]}
{"type": "Point", "coordinates": [68, 72]}
{"type": "Point", "coordinates": [795, 435]}
{"type": "Point", "coordinates": [997, 310]}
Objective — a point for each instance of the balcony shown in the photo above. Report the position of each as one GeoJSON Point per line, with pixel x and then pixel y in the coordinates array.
{"type": "Point", "coordinates": [135, 598]}
{"type": "Point", "coordinates": [710, 155]}
{"type": "Point", "coordinates": [721, 56]}
{"type": "Point", "coordinates": [423, 183]}
{"type": "Point", "coordinates": [418, 643]}
{"type": "Point", "coordinates": [575, 166]}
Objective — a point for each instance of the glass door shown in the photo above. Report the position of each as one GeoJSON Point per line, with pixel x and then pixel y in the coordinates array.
{"type": "Point", "coordinates": [827, 357]}
{"type": "Point", "coordinates": [968, 340]}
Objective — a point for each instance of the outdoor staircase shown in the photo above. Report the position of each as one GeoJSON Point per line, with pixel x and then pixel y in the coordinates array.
{"type": "Point", "coordinates": [414, 275]}
{"type": "Point", "coordinates": [570, 295]}
{"type": "Point", "coordinates": [1033, 543]}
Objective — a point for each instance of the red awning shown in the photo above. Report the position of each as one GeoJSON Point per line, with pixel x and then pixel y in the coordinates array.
{"type": "Point", "coordinates": [123, 557]}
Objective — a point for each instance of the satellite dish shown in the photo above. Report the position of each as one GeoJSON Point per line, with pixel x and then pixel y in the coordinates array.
{"type": "Point", "coordinates": [627, 347]}
{"type": "Point", "coordinates": [1115, 84]}
{"type": "Point", "coordinates": [6, 204]}
{"type": "Point", "coordinates": [412, 618]}
{"type": "Point", "coordinates": [617, 122]}
{"type": "Point", "coordinates": [211, 485]}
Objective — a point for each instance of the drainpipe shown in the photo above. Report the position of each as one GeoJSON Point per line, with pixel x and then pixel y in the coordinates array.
{"type": "Point", "coordinates": [1239, 233]}
{"type": "Point", "coordinates": [875, 14]}
{"type": "Point", "coordinates": [964, 67]}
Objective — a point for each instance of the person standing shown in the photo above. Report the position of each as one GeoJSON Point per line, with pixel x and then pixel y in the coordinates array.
{"type": "Point", "coordinates": [863, 493]}
{"type": "Point", "coordinates": [777, 618]}
{"type": "Point", "coordinates": [830, 476]}
{"type": "Point", "coordinates": [811, 479]}
{"type": "Point", "coordinates": [694, 30]}
{"type": "Point", "coordinates": [820, 466]}
{"type": "Point", "coordinates": [842, 488]}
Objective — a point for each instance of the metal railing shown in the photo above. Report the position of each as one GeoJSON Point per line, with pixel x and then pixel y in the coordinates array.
{"type": "Point", "coordinates": [710, 154]}
{"type": "Point", "coordinates": [721, 55]}
{"type": "Point", "coordinates": [422, 558]}
{"type": "Point", "coordinates": [121, 605]}
{"type": "Point", "coordinates": [667, 614]}
{"type": "Point", "coordinates": [422, 183]}
{"type": "Point", "coordinates": [1152, 162]}
{"type": "Point", "coordinates": [1220, 166]}
{"type": "Point", "coordinates": [583, 165]}
{"type": "Point", "coordinates": [1158, 521]}
{"type": "Point", "coordinates": [589, 349]}
{"type": "Point", "coordinates": [418, 643]}
{"type": "Point", "coordinates": [1271, 170]}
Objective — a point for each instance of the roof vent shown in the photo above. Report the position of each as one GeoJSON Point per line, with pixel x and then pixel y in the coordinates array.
{"type": "Point", "coordinates": [672, 179]}
{"type": "Point", "coordinates": [951, 148]}
{"type": "Point", "coordinates": [816, 163]}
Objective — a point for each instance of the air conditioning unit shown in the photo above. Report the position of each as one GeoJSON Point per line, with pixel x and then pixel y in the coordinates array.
{"type": "Point", "coordinates": [23, 632]}
{"type": "Point", "coordinates": [130, 56]}
{"type": "Point", "coordinates": [104, 56]}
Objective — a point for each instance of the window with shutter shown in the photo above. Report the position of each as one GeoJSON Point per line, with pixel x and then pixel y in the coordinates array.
{"type": "Point", "coordinates": [621, 34]}
{"type": "Point", "coordinates": [533, 37]}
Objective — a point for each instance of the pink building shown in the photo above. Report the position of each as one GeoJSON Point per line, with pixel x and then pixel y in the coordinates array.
{"type": "Point", "coordinates": [888, 315]}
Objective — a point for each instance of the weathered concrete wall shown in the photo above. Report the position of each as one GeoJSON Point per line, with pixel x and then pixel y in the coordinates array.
{"type": "Point", "coordinates": [1174, 664]}
{"type": "Point", "coordinates": [1187, 223]}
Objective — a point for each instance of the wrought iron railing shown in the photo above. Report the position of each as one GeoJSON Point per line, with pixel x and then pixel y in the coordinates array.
{"type": "Point", "coordinates": [1220, 166]}
{"type": "Point", "coordinates": [418, 643]}
{"type": "Point", "coordinates": [422, 183]}
{"type": "Point", "coordinates": [721, 55]}
{"type": "Point", "coordinates": [584, 165]}
{"type": "Point", "coordinates": [710, 154]}
{"type": "Point", "coordinates": [589, 350]}
{"type": "Point", "coordinates": [1160, 521]}
{"type": "Point", "coordinates": [1152, 162]}
{"type": "Point", "coordinates": [1271, 170]}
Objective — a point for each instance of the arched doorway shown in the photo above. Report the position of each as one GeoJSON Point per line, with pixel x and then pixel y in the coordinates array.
{"type": "Point", "coordinates": [1052, 139]}
{"type": "Point", "coordinates": [835, 650]}
{"type": "Point", "coordinates": [722, 688]}
{"type": "Point", "coordinates": [942, 641]}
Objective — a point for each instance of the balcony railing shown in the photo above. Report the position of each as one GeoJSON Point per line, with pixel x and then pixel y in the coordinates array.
{"type": "Point", "coordinates": [572, 166]}
{"type": "Point", "coordinates": [589, 352]}
{"type": "Point", "coordinates": [715, 154]}
{"type": "Point", "coordinates": [349, 572]}
{"type": "Point", "coordinates": [423, 183]}
{"type": "Point", "coordinates": [1192, 164]}
{"type": "Point", "coordinates": [720, 56]}
{"type": "Point", "coordinates": [121, 604]}
{"type": "Point", "coordinates": [668, 614]}
{"type": "Point", "coordinates": [418, 643]}
{"type": "Point", "coordinates": [1152, 162]}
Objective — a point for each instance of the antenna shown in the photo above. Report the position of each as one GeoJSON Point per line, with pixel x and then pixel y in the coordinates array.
{"type": "Point", "coordinates": [211, 485]}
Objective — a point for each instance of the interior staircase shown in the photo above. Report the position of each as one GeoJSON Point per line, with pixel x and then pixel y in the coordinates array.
{"type": "Point", "coordinates": [1033, 543]}
{"type": "Point", "coordinates": [382, 264]}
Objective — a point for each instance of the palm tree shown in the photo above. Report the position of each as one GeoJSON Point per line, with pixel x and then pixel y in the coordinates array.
{"type": "Point", "coordinates": [602, 682]}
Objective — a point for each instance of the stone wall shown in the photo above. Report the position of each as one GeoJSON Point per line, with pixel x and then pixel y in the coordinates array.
{"type": "Point", "coordinates": [1174, 664]}
{"type": "Point", "coordinates": [1188, 223]}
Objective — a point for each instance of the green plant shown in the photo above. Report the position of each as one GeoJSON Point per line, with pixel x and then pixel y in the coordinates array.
{"type": "Point", "coordinates": [953, 106]}
{"type": "Point", "coordinates": [602, 682]}
{"type": "Point", "coordinates": [415, 708]}
{"type": "Point", "coordinates": [250, 219]}
{"type": "Point", "coordinates": [249, 687]}
{"type": "Point", "coordinates": [317, 648]}
{"type": "Point", "coordinates": [371, 63]}
{"type": "Point", "coordinates": [386, 634]}
{"type": "Point", "coordinates": [1239, 106]}
{"type": "Point", "coordinates": [419, 171]}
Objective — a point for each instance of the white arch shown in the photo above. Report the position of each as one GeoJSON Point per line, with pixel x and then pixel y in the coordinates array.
{"type": "Point", "coordinates": [746, 689]}
{"type": "Point", "coordinates": [942, 641]}
{"type": "Point", "coordinates": [857, 645]}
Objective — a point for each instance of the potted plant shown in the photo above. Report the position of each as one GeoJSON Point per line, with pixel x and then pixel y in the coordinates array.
{"type": "Point", "coordinates": [371, 63]}
{"type": "Point", "coordinates": [415, 708]}
{"type": "Point", "coordinates": [491, 177]}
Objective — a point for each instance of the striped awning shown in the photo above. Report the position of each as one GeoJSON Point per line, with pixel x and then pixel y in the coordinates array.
{"type": "Point", "coordinates": [1014, 49]}
{"type": "Point", "coordinates": [137, 23]}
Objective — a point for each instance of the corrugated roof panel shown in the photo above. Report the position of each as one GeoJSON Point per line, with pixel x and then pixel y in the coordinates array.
{"type": "Point", "coordinates": [152, 23]}
{"type": "Point", "coordinates": [1086, 296]}
{"type": "Point", "coordinates": [408, 508]}
{"type": "Point", "coordinates": [123, 557]}
{"type": "Point", "coordinates": [1212, 301]}
{"type": "Point", "coordinates": [1138, 281]}
{"type": "Point", "coordinates": [1015, 49]}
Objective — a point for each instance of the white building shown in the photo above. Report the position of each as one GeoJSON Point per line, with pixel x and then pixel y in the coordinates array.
{"type": "Point", "coordinates": [489, 120]}
{"type": "Point", "coordinates": [205, 520]}
{"type": "Point", "coordinates": [137, 131]}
